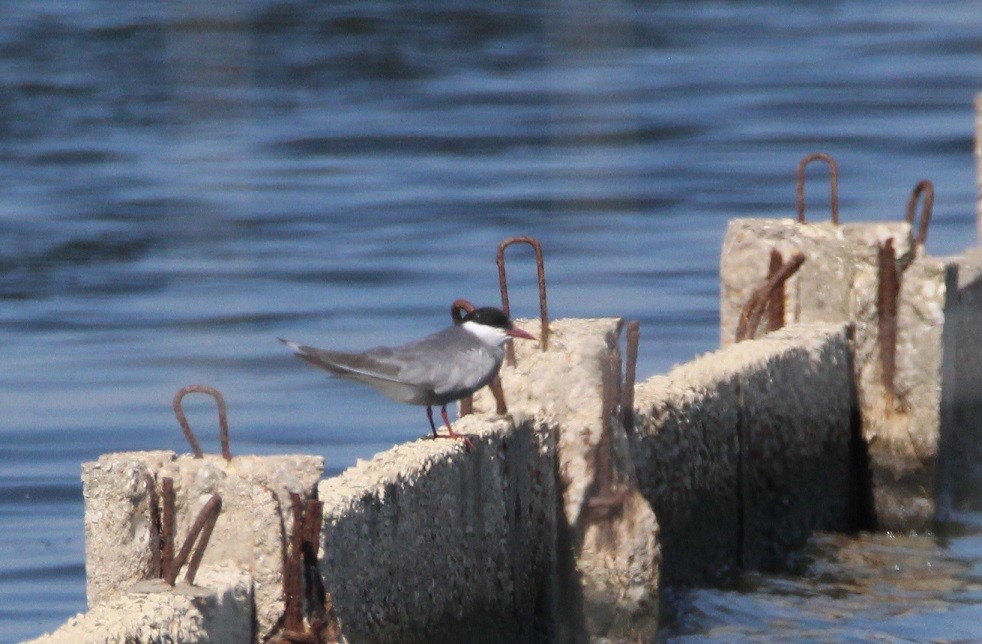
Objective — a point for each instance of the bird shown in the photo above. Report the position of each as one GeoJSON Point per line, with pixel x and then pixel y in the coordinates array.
{"type": "Point", "coordinates": [436, 370]}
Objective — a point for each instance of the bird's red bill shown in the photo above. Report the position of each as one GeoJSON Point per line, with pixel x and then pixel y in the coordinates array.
{"type": "Point", "coordinates": [520, 333]}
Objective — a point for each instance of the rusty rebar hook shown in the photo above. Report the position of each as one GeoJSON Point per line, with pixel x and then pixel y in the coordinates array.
{"type": "Point", "coordinates": [199, 533]}
{"type": "Point", "coordinates": [153, 500]}
{"type": "Point", "coordinates": [167, 528]}
{"type": "Point", "coordinates": [503, 284]}
{"type": "Point", "coordinates": [753, 310]}
{"type": "Point", "coordinates": [292, 575]}
{"type": "Point", "coordinates": [605, 497]}
{"type": "Point", "coordinates": [222, 419]}
{"type": "Point", "coordinates": [887, 298]}
{"type": "Point", "coordinates": [925, 188]}
{"type": "Point", "coordinates": [630, 374]}
{"type": "Point", "coordinates": [459, 307]}
{"type": "Point", "coordinates": [304, 592]}
{"type": "Point", "coordinates": [775, 303]}
{"type": "Point", "coordinates": [833, 183]}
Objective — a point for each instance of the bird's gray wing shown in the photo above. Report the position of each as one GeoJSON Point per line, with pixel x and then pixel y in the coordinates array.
{"type": "Point", "coordinates": [437, 369]}
{"type": "Point", "coordinates": [451, 363]}
{"type": "Point", "coordinates": [373, 368]}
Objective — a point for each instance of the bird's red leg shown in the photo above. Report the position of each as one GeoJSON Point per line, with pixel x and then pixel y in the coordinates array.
{"type": "Point", "coordinates": [429, 415]}
{"type": "Point", "coordinates": [450, 432]}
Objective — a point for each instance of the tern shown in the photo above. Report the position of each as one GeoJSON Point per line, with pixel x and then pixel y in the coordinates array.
{"type": "Point", "coordinates": [436, 370]}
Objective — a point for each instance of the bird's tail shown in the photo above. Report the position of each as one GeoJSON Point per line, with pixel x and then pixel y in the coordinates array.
{"type": "Point", "coordinates": [296, 348]}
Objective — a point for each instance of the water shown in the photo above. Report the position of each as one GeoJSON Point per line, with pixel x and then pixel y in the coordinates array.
{"type": "Point", "coordinates": [877, 587]}
{"type": "Point", "coordinates": [182, 182]}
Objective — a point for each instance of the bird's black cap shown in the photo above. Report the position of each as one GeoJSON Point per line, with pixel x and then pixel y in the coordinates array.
{"type": "Point", "coordinates": [489, 316]}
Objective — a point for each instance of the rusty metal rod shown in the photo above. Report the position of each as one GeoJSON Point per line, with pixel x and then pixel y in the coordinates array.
{"type": "Point", "coordinates": [313, 520]}
{"type": "Point", "coordinates": [887, 293]}
{"type": "Point", "coordinates": [458, 308]}
{"type": "Point", "coordinates": [833, 184]}
{"type": "Point", "coordinates": [630, 374]}
{"type": "Point", "coordinates": [210, 513]}
{"type": "Point", "coordinates": [153, 501]}
{"type": "Point", "coordinates": [607, 499]}
{"type": "Point", "coordinates": [754, 309]}
{"type": "Point", "coordinates": [293, 594]}
{"type": "Point", "coordinates": [167, 528]}
{"type": "Point", "coordinates": [314, 591]}
{"type": "Point", "coordinates": [775, 303]}
{"type": "Point", "coordinates": [503, 285]}
{"type": "Point", "coordinates": [501, 407]}
{"type": "Point", "coordinates": [925, 188]}
{"type": "Point", "coordinates": [222, 418]}
{"type": "Point", "coordinates": [203, 525]}
{"type": "Point", "coordinates": [751, 310]}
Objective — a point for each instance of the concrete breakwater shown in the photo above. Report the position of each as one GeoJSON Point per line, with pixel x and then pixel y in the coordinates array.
{"type": "Point", "coordinates": [740, 454]}
{"type": "Point", "coordinates": [856, 408]}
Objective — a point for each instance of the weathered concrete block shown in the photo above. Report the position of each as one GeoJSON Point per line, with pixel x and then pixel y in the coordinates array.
{"type": "Point", "coordinates": [250, 530]}
{"type": "Point", "coordinates": [429, 540]}
{"type": "Point", "coordinates": [818, 292]}
{"type": "Point", "coordinates": [823, 288]}
{"type": "Point", "coordinates": [611, 588]}
{"type": "Point", "coordinates": [218, 609]}
{"type": "Point", "coordinates": [864, 311]}
{"type": "Point", "coordinates": [117, 521]}
{"type": "Point", "coordinates": [743, 452]}
{"type": "Point", "coordinates": [901, 427]}
{"type": "Point", "coordinates": [900, 421]}
{"type": "Point", "coordinates": [686, 453]}
{"type": "Point", "coordinates": [797, 437]}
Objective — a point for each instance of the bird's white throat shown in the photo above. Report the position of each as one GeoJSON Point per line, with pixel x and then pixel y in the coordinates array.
{"type": "Point", "coordinates": [489, 335]}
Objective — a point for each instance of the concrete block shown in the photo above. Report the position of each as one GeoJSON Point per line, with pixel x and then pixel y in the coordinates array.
{"type": "Point", "coordinates": [429, 540]}
{"type": "Point", "coordinates": [864, 309]}
{"type": "Point", "coordinates": [218, 609]}
{"type": "Point", "coordinates": [744, 451]}
{"type": "Point", "coordinates": [686, 453]}
{"type": "Point", "coordinates": [823, 288]}
{"type": "Point", "coordinates": [117, 521]}
{"type": "Point", "coordinates": [618, 569]}
{"type": "Point", "coordinates": [797, 437]}
{"type": "Point", "coordinates": [818, 292]}
{"type": "Point", "coordinates": [250, 530]}
{"type": "Point", "coordinates": [901, 427]}
{"type": "Point", "coordinates": [611, 583]}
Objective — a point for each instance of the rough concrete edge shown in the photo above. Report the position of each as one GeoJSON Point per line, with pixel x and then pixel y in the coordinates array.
{"type": "Point", "coordinates": [563, 386]}
{"type": "Point", "coordinates": [740, 276]}
{"type": "Point", "coordinates": [797, 441]}
{"type": "Point", "coordinates": [255, 492]}
{"type": "Point", "coordinates": [256, 516]}
{"type": "Point", "coordinates": [488, 573]}
{"type": "Point", "coordinates": [707, 448]}
{"type": "Point", "coordinates": [606, 525]}
{"type": "Point", "coordinates": [109, 507]}
{"type": "Point", "coordinates": [217, 609]}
